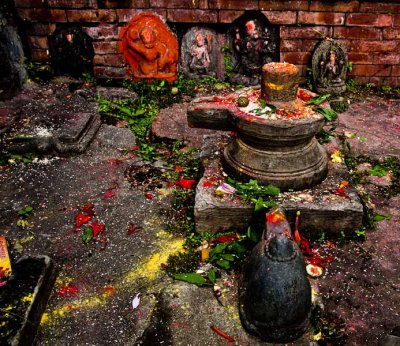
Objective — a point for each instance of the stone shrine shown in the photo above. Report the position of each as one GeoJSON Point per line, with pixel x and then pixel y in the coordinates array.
{"type": "Point", "coordinates": [150, 48]}
{"type": "Point", "coordinates": [199, 52]}
{"type": "Point", "coordinates": [253, 42]}
{"type": "Point", "coordinates": [329, 66]}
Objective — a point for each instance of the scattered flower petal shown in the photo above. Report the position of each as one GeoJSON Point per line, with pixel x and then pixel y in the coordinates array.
{"type": "Point", "coordinates": [81, 219]}
{"type": "Point", "coordinates": [136, 301]}
{"type": "Point", "coordinates": [223, 334]}
{"type": "Point", "coordinates": [314, 271]}
{"type": "Point", "coordinates": [337, 156]}
{"type": "Point", "coordinates": [132, 229]}
{"type": "Point", "coordinates": [149, 195]}
{"type": "Point", "coordinates": [97, 228]}
{"type": "Point", "coordinates": [186, 183]}
{"type": "Point", "coordinates": [87, 208]}
{"type": "Point", "coordinates": [225, 189]}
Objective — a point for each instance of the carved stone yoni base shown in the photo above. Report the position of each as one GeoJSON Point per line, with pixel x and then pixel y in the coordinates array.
{"type": "Point", "coordinates": [298, 167]}
{"type": "Point", "coordinates": [280, 152]}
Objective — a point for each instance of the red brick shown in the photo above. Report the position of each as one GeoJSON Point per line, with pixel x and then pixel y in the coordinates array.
{"type": "Point", "coordinates": [335, 6]}
{"type": "Point", "coordinates": [357, 33]}
{"type": "Point", "coordinates": [370, 70]}
{"type": "Point", "coordinates": [391, 81]}
{"type": "Point", "coordinates": [347, 44]}
{"type": "Point", "coordinates": [105, 47]}
{"type": "Point", "coordinates": [369, 19]}
{"type": "Point", "coordinates": [276, 5]}
{"type": "Point", "coordinates": [360, 58]}
{"type": "Point", "coordinates": [28, 3]}
{"type": "Point", "coordinates": [38, 42]}
{"type": "Point", "coordinates": [229, 16]}
{"type": "Point", "coordinates": [396, 21]}
{"type": "Point", "coordinates": [40, 55]}
{"type": "Point", "coordinates": [102, 32]}
{"type": "Point", "coordinates": [91, 15]}
{"type": "Point", "coordinates": [386, 7]}
{"type": "Point", "coordinates": [174, 3]}
{"type": "Point", "coordinates": [125, 15]}
{"type": "Point", "coordinates": [324, 18]}
{"type": "Point", "coordinates": [291, 46]}
{"type": "Point", "coordinates": [291, 32]}
{"type": "Point", "coordinates": [363, 80]}
{"type": "Point", "coordinates": [375, 46]}
{"type": "Point", "coordinates": [391, 34]}
{"type": "Point", "coordinates": [40, 29]}
{"type": "Point", "coordinates": [203, 4]}
{"type": "Point", "coordinates": [192, 16]}
{"type": "Point", "coordinates": [115, 60]}
{"type": "Point", "coordinates": [109, 72]}
{"type": "Point", "coordinates": [396, 70]}
{"type": "Point", "coordinates": [281, 17]}
{"type": "Point", "coordinates": [72, 3]}
{"type": "Point", "coordinates": [42, 15]}
{"type": "Point", "coordinates": [233, 4]}
{"type": "Point", "coordinates": [309, 45]}
{"type": "Point", "coordinates": [125, 4]}
{"type": "Point", "coordinates": [389, 58]}
{"type": "Point", "coordinates": [301, 58]}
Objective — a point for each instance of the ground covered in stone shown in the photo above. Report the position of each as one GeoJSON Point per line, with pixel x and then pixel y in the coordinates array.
{"type": "Point", "coordinates": [112, 289]}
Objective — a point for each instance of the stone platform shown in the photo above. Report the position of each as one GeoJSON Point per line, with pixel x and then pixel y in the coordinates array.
{"type": "Point", "coordinates": [321, 208]}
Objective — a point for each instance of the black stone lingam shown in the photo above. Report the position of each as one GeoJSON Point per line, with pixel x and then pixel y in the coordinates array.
{"type": "Point", "coordinates": [275, 294]}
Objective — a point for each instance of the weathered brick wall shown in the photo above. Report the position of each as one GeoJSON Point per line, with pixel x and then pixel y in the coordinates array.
{"type": "Point", "coordinates": [368, 30]}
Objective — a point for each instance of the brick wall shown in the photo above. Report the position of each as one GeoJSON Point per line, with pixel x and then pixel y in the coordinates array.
{"type": "Point", "coordinates": [368, 30]}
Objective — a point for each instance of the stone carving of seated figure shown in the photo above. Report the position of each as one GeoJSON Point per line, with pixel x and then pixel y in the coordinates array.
{"type": "Point", "coordinates": [331, 70]}
{"type": "Point", "coordinates": [150, 48]}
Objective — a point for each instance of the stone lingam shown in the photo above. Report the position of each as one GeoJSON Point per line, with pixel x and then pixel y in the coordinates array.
{"type": "Point", "coordinates": [275, 294]}
{"type": "Point", "coordinates": [275, 142]}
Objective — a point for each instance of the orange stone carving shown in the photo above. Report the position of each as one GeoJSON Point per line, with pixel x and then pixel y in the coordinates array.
{"type": "Point", "coordinates": [150, 48]}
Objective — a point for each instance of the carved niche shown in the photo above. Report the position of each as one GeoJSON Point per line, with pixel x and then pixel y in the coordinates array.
{"type": "Point", "coordinates": [71, 51]}
{"type": "Point", "coordinates": [199, 52]}
{"type": "Point", "coordinates": [253, 42]}
{"type": "Point", "coordinates": [150, 48]}
{"type": "Point", "coordinates": [329, 66]}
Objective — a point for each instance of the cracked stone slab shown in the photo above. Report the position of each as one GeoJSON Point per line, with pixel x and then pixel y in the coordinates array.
{"type": "Point", "coordinates": [67, 132]}
{"type": "Point", "coordinates": [321, 208]}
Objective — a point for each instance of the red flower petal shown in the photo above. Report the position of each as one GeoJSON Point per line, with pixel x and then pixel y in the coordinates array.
{"type": "Point", "coordinates": [109, 193]}
{"type": "Point", "coordinates": [178, 169]}
{"type": "Point", "coordinates": [81, 219]}
{"type": "Point", "coordinates": [149, 195]}
{"type": "Point", "coordinates": [223, 334]}
{"type": "Point", "coordinates": [97, 228]}
{"type": "Point", "coordinates": [87, 208]}
{"type": "Point", "coordinates": [132, 229]}
{"type": "Point", "coordinates": [227, 238]}
{"type": "Point", "coordinates": [186, 183]}
{"type": "Point", "coordinates": [207, 184]}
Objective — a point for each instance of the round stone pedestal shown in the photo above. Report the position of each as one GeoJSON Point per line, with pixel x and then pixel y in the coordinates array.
{"type": "Point", "coordinates": [283, 153]}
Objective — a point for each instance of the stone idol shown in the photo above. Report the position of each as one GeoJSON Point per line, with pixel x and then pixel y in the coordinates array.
{"type": "Point", "coordinates": [71, 51]}
{"type": "Point", "coordinates": [275, 294]}
{"type": "Point", "coordinates": [150, 48]}
{"type": "Point", "coordinates": [253, 43]}
{"type": "Point", "coordinates": [329, 66]}
{"type": "Point", "coordinates": [199, 53]}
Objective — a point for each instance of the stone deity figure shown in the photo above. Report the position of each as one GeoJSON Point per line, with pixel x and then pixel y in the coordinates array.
{"type": "Point", "coordinates": [331, 70]}
{"type": "Point", "coordinates": [253, 50]}
{"type": "Point", "coordinates": [200, 60]}
{"type": "Point", "coordinates": [150, 48]}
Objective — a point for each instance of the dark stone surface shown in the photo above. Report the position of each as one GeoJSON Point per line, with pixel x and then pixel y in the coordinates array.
{"type": "Point", "coordinates": [275, 294]}
{"type": "Point", "coordinates": [12, 69]}
{"type": "Point", "coordinates": [33, 276]}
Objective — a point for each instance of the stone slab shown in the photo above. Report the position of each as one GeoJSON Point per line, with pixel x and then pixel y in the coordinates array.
{"type": "Point", "coordinates": [321, 208]}
{"type": "Point", "coordinates": [65, 132]}
{"type": "Point", "coordinates": [369, 137]}
{"type": "Point", "coordinates": [32, 277]}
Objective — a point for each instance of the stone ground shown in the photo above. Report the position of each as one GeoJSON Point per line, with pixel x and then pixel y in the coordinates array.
{"type": "Point", "coordinates": [92, 299]}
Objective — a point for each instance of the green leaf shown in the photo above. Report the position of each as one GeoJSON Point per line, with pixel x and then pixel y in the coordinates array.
{"type": "Point", "coordinates": [329, 114]}
{"type": "Point", "coordinates": [228, 257]}
{"type": "Point", "coordinates": [378, 171]}
{"type": "Point", "coordinates": [259, 205]}
{"type": "Point", "coordinates": [218, 249]}
{"type": "Point", "coordinates": [87, 235]}
{"type": "Point", "coordinates": [140, 111]}
{"type": "Point", "coordinates": [223, 264]}
{"type": "Point", "coordinates": [381, 217]}
{"type": "Point", "coordinates": [238, 248]}
{"type": "Point", "coordinates": [192, 278]}
{"type": "Point", "coordinates": [318, 100]}
{"type": "Point", "coordinates": [212, 276]}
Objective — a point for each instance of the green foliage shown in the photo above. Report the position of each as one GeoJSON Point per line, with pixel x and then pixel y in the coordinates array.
{"type": "Point", "coordinates": [378, 170]}
{"type": "Point", "coordinates": [351, 85]}
{"type": "Point", "coordinates": [227, 61]}
{"type": "Point", "coordinates": [350, 66]}
{"type": "Point", "coordinates": [87, 234]}
{"type": "Point", "coordinates": [252, 191]}
{"type": "Point", "coordinates": [192, 278]}
{"type": "Point", "coordinates": [381, 217]}
{"type": "Point", "coordinates": [266, 108]}
{"type": "Point", "coordinates": [316, 101]}
{"type": "Point", "coordinates": [329, 114]}
{"type": "Point", "coordinates": [183, 262]}
{"type": "Point", "coordinates": [88, 77]}
{"type": "Point", "coordinates": [225, 255]}
{"type": "Point", "coordinates": [23, 215]}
